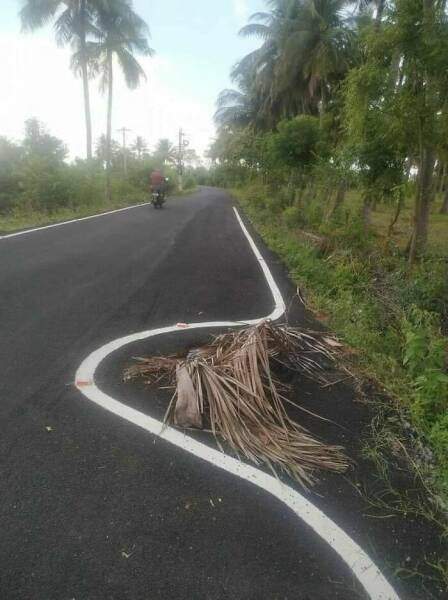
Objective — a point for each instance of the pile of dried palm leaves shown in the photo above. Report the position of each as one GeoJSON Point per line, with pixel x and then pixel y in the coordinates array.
{"type": "Point", "coordinates": [229, 387]}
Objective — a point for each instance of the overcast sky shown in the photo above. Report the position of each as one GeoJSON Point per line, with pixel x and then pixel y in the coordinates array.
{"type": "Point", "coordinates": [196, 44]}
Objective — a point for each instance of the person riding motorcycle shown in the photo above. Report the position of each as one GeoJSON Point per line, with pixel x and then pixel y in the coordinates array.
{"type": "Point", "coordinates": [158, 182]}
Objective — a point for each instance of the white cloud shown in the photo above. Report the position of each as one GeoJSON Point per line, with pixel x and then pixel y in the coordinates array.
{"type": "Point", "coordinates": [36, 81]}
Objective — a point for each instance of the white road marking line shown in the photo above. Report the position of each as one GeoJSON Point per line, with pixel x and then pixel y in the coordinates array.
{"type": "Point", "coordinates": [361, 565]}
{"type": "Point", "coordinates": [104, 214]}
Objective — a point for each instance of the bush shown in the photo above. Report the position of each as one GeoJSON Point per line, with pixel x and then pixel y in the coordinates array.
{"type": "Point", "coordinates": [424, 356]}
{"type": "Point", "coordinates": [255, 195]}
{"type": "Point", "coordinates": [190, 183]}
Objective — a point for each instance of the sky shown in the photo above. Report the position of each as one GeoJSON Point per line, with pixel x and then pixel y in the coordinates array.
{"type": "Point", "coordinates": [196, 44]}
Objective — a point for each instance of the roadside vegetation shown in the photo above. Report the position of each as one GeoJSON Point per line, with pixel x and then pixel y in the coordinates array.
{"type": "Point", "coordinates": [334, 141]}
{"type": "Point", "coordinates": [39, 186]}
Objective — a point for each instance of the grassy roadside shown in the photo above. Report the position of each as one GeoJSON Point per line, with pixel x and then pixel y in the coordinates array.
{"type": "Point", "coordinates": [391, 322]}
{"type": "Point", "coordinates": [18, 220]}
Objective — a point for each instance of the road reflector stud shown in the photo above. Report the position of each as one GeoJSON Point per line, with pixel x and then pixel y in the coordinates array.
{"type": "Point", "coordinates": [83, 383]}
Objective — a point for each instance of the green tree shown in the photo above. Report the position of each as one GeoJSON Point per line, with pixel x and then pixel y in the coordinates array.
{"type": "Point", "coordinates": [101, 151]}
{"type": "Point", "coordinates": [121, 34]}
{"type": "Point", "coordinates": [166, 152]}
{"type": "Point", "coordinates": [11, 155]}
{"type": "Point", "coordinates": [140, 147]}
{"type": "Point", "coordinates": [396, 117]}
{"type": "Point", "coordinates": [38, 143]}
{"type": "Point", "coordinates": [307, 48]}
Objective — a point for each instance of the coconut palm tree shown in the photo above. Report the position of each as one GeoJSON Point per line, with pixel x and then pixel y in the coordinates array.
{"type": "Point", "coordinates": [305, 49]}
{"type": "Point", "coordinates": [139, 146]}
{"type": "Point", "coordinates": [121, 33]}
{"type": "Point", "coordinates": [235, 108]}
{"type": "Point", "coordinates": [166, 152]}
{"type": "Point", "coordinates": [73, 22]}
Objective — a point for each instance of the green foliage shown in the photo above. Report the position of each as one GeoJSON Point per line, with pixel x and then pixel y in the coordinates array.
{"type": "Point", "coordinates": [424, 357]}
{"type": "Point", "coordinates": [295, 143]}
{"type": "Point", "coordinates": [190, 182]}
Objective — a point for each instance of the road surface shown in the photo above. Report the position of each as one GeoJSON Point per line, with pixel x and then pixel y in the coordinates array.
{"type": "Point", "coordinates": [92, 507]}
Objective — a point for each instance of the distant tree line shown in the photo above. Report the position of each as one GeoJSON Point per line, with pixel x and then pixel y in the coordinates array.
{"type": "Point", "coordinates": [35, 176]}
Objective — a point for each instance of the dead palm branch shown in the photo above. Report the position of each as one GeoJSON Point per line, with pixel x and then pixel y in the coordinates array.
{"type": "Point", "coordinates": [229, 387]}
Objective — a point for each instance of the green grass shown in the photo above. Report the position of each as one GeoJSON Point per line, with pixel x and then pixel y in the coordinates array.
{"type": "Point", "coordinates": [15, 221]}
{"type": "Point", "coordinates": [382, 215]}
{"type": "Point", "coordinates": [390, 318]}
{"type": "Point", "coordinates": [19, 220]}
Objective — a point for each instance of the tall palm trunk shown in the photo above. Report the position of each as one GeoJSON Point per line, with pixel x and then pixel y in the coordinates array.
{"type": "Point", "coordinates": [88, 117]}
{"type": "Point", "coordinates": [339, 200]}
{"type": "Point", "coordinates": [85, 83]}
{"type": "Point", "coordinates": [322, 103]}
{"type": "Point", "coordinates": [444, 207]}
{"type": "Point", "coordinates": [427, 157]}
{"type": "Point", "coordinates": [422, 204]}
{"type": "Point", "coordinates": [110, 81]}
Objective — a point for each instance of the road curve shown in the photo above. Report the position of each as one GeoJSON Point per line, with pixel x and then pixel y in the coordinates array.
{"type": "Point", "coordinates": [92, 507]}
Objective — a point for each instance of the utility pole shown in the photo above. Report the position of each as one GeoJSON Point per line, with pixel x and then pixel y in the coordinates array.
{"type": "Point", "coordinates": [183, 143]}
{"type": "Point", "coordinates": [124, 130]}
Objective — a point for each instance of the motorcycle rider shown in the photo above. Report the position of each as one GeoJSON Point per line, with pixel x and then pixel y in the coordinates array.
{"type": "Point", "coordinates": [158, 182]}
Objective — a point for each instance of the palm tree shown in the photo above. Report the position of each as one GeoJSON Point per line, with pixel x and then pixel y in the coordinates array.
{"type": "Point", "coordinates": [139, 146]}
{"type": "Point", "coordinates": [120, 34]}
{"type": "Point", "coordinates": [326, 44]}
{"type": "Point", "coordinates": [166, 152]}
{"type": "Point", "coordinates": [235, 108]}
{"type": "Point", "coordinates": [305, 49]}
{"type": "Point", "coordinates": [74, 21]}
{"type": "Point", "coordinates": [101, 151]}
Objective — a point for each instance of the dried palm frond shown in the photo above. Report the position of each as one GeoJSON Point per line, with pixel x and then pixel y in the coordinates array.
{"type": "Point", "coordinates": [230, 385]}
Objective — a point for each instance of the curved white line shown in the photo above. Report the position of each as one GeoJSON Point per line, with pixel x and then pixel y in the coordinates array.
{"type": "Point", "coordinates": [367, 573]}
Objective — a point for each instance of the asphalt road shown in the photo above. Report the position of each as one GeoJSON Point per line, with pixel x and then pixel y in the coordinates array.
{"type": "Point", "coordinates": [93, 508]}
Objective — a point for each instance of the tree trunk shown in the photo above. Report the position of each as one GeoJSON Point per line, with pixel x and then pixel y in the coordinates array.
{"type": "Point", "coordinates": [88, 118]}
{"type": "Point", "coordinates": [423, 199]}
{"type": "Point", "coordinates": [366, 212]}
{"type": "Point", "coordinates": [379, 12]}
{"type": "Point", "coordinates": [309, 191]}
{"type": "Point", "coordinates": [400, 203]}
{"type": "Point", "coordinates": [109, 124]}
{"type": "Point", "coordinates": [444, 207]}
{"type": "Point", "coordinates": [441, 180]}
{"type": "Point", "coordinates": [339, 200]}
{"type": "Point", "coordinates": [322, 103]}
{"type": "Point", "coordinates": [85, 84]}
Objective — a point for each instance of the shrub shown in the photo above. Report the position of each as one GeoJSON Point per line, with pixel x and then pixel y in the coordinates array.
{"type": "Point", "coordinates": [424, 356]}
{"type": "Point", "coordinates": [189, 183]}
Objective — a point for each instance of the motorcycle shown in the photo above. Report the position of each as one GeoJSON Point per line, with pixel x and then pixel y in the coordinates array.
{"type": "Point", "coordinates": [158, 199]}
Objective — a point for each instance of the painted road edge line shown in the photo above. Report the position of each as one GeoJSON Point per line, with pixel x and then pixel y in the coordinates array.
{"type": "Point", "coordinates": [361, 565]}
{"type": "Point", "coordinates": [51, 225]}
